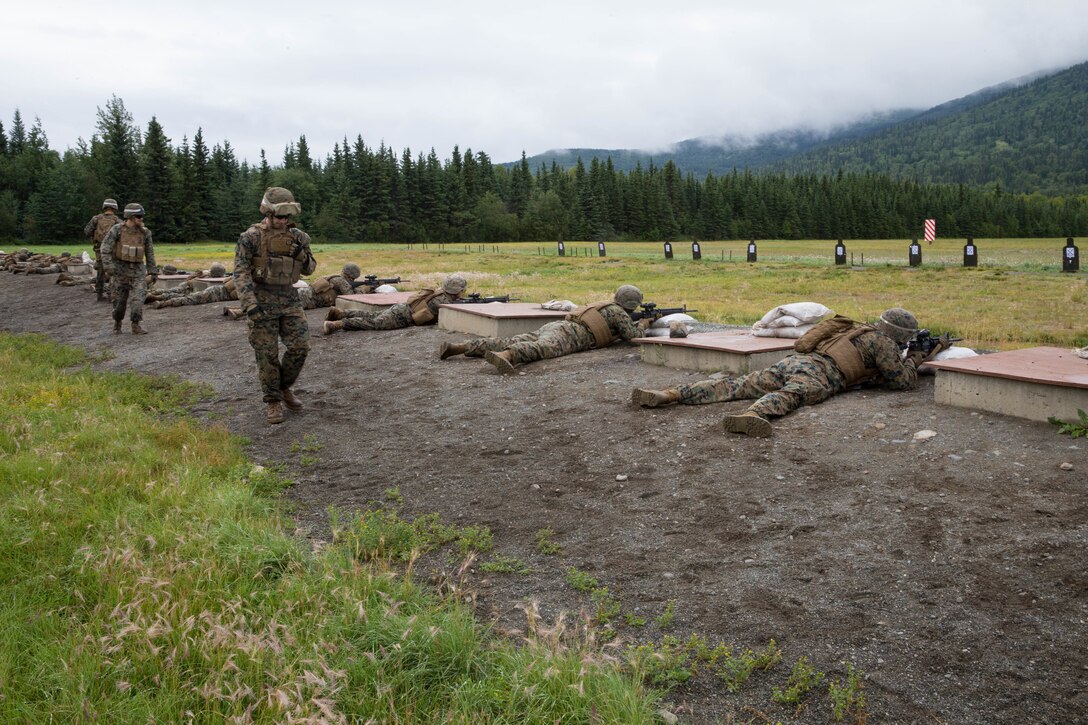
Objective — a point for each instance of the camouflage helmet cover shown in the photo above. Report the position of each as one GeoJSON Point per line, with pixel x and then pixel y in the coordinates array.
{"type": "Point", "coordinates": [455, 284]}
{"type": "Point", "coordinates": [65, 255]}
{"type": "Point", "coordinates": [110, 204]}
{"type": "Point", "coordinates": [351, 271]}
{"type": "Point", "coordinates": [218, 269]}
{"type": "Point", "coordinates": [133, 209]}
{"type": "Point", "coordinates": [279, 201]}
{"type": "Point", "coordinates": [169, 269]}
{"type": "Point", "coordinates": [629, 297]}
{"type": "Point", "coordinates": [898, 324]}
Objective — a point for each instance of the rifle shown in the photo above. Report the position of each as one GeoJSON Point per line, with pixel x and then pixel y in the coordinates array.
{"type": "Point", "coordinates": [373, 281]}
{"type": "Point", "coordinates": [924, 341]}
{"type": "Point", "coordinates": [650, 311]}
{"type": "Point", "coordinates": [475, 298]}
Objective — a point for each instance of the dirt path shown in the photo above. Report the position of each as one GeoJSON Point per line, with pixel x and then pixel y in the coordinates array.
{"type": "Point", "coordinates": [951, 571]}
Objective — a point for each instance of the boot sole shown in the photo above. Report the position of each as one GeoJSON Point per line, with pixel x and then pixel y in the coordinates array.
{"type": "Point", "coordinates": [502, 364]}
{"type": "Point", "coordinates": [646, 398]}
{"type": "Point", "coordinates": [748, 425]}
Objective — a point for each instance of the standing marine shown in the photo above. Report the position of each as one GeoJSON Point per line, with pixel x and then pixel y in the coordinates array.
{"type": "Point", "coordinates": [593, 326]}
{"type": "Point", "coordinates": [420, 309]}
{"type": "Point", "coordinates": [96, 229]}
{"type": "Point", "coordinates": [832, 357]}
{"type": "Point", "coordinates": [270, 257]}
{"type": "Point", "coordinates": [128, 255]}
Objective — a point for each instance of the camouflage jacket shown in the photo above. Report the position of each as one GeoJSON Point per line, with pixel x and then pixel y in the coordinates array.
{"type": "Point", "coordinates": [249, 292]}
{"type": "Point", "coordinates": [620, 324]}
{"type": "Point", "coordinates": [879, 352]}
{"type": "Point", "coordinates": [106, 253]}
{"type": "Point", "coordinates": [88, 230]}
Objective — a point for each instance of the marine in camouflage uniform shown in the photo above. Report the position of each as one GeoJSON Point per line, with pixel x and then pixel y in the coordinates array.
{"type": "Point", "coordinates": [52, 265]}
{"type": "Point", "coordinates": [128, 254]}
{"type": "Point", "coordinates": [420, 309]}
{"type": "Point", "coordinates": [96, 229]}
{"type": "Point", "coordinates": [834, 356]}
{"type": "Point", "coordinates": [216, 293]}
{"type": "Point", "coordinates": [269, 259]}
{"type": "Point", "coordinates": [586, 328]}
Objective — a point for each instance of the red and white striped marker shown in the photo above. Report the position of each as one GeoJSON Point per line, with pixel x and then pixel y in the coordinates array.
{"type": "Point", "coordinates": [931, 229]}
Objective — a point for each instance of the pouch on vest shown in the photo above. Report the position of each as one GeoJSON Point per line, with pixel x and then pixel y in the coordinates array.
{"type": "Point", "coordinates": [831, 326]}
{"type": "Point", "coordinates": [272, 264]}
{"type": "Point", "coordinates": [421, 311]}
{"type": "Point", "coordinates": [848, 360]}
{"type": "Point", "coordinates": [591, 317]}
{"type": "Point", "coordinates": [129, 246]}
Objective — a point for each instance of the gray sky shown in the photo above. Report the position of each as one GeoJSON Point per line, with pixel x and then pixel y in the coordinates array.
{"type": "Point", "coordinates": [507, 76]}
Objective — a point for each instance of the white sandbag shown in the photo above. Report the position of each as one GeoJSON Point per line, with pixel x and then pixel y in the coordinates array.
{"type": "Point", "coordinates": [787, 332]}
{"type": "Point", "coordinates": [674, 317]}
{"type": "Point", "coordinates": [1082, 352]}
{"type": "Point", "coordinates": [87, 258]}
{"type": "Point", "coordinates": [793, 315]}
{"type": "Point", "coordinates": [384, 289]}
{"type": "Point", "coordinates": [560, 305]}
{"type": "Point", "coordinates": [952, 353]}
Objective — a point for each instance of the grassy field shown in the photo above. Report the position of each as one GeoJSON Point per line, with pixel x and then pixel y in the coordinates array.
{"type": "Point", "coordinates": [1018, 297]}
{"type": "Point", "coordinates": [148, 576]}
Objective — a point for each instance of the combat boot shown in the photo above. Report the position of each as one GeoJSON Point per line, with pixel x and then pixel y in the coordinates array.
{"type": "Point", "coordinates": [655, 398]}
{"type": "Point", "coordinates": [136, 329]}
{"type": "Point", "coordinates": [116, 327]}
{"type": "Point", "coordinates": [291, 400]}
{"type": "Point", "coordinates": [449, 349]}
{"type": "Point", "coordinates": [334, 314]}
{"type": "Point", "coordinates": [748, 423]}
{"type": "Point", "coordinates": [275, 413]}
{"type": "Point", "coordinates": [501, 361]}
{"type": "Point", "coordinates": [234, 313]}
{"type": "Point", "coordinates": [332, 326]}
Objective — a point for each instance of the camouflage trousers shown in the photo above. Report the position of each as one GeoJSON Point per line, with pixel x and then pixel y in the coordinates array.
{"type": "Point", "coordinates": [185, 288]}
{"type": "Point", "coordinates": [394, 318]}
{"type": "Point", "coordinates": [554, 339]}
{"type": "Point", "coordinates": [100, 278]}
{"type": "Point", "coordinates": [128, 289]}
{"type": "Point", "coordinates": [273, 323]}
{"type": "Point", "coordinates": [782, 388]}
{"type": "Point", "coordinates": [48, 269]}
{"type": "Point", "coordinates": [215, 293]}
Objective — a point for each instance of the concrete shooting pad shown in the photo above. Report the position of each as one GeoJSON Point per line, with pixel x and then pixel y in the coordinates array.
{"type": "Point", "coordinates": [1033, 383]}
{"type": "Point", "coordinates": [79, 268]}
{"type": "Point", "coordinates": [495, 319]}
{"type": "Point", "coordinates": [374, 302]}
{"type": "Point", "coordinates": [169, 281]}
{"type": "Point", "coordinates": [202, 283]}
{"type": "Point", "coordinates": [732, 352]}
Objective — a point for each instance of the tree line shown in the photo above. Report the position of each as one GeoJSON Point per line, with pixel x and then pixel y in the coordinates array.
{"type": "Point", "coordinates": [359, 193]}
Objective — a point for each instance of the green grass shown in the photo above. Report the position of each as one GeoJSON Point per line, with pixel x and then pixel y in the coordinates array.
{"type": "Point", "coordinates": [1017, 298]}
{"type": "Point", "coordinates": [146, 576]}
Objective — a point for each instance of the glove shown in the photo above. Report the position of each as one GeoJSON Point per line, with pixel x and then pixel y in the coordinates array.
{"type": "Point", "coordinates": [253, 312]}
{"type": "Point", "coordinates": [644, 324]}
{"type": "Point", "coordinates": [298, 251]}
{"type": "Point", "coordinates": [916, 358]}
{"type": "Point", "coordinates": [678, 329]}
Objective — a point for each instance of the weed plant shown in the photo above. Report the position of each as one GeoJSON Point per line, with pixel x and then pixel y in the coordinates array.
{"type": "Point", "coordinates": [148, 577]}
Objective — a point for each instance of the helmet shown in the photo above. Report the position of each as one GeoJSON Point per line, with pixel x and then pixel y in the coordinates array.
{"type": "Point", "coordinates": [218, 269]}
{"type": "Point", "coordinates": [279, 201]}
{"type": "Point", "coordinates": [351, 271]}
{"type": "Point", "coordinates": [454, 285]}
{"type": "Point", "coordinates": [898, 324]}
{"type": "Point", "coordinates": [629, 297]}
{"type": "Point", "coordinates": [65, 255]}
{"type": "Point", "coordinates": [133, 209]}
{"type": "Point", "coordinates": [169, 269]}
{"type": "Point", "coordinates": [110, 204]}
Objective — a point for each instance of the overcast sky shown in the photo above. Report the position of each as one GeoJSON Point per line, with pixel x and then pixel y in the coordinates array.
{"type": "Point", "coordinates": [508, 76]}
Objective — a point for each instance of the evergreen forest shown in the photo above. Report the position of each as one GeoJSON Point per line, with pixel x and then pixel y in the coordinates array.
{"type": "Point", "coordinates": [193, 191]}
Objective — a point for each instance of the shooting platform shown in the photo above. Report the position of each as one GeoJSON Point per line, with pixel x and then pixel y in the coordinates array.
{"type": "Point", "coordinates": [1033, 383]}
{"type": "Point", "coordinates": [495, 319]}
{"type": "Point", "coordinates": [169, 281]}
{"type": "Point", "coordinates": [373, 302]}
{"type": "Point", "coordinates": [202, 283]}
{"type": "Point", "coordinates": [732, 352]}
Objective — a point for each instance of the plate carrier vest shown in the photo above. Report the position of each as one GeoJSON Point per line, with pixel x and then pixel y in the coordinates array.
{"type": "Point", "coordinates": [421, 311]}
{"type": "Point", "coordinates": [129, 246]}
{"type": "Point", "coordinates": [833, 338]}
{"type": "Point", "coordinates": [272, 264]}
{"type": "Point", "coordinates": [590, 317]}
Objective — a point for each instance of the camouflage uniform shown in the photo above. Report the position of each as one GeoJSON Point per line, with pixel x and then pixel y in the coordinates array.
{"type": "Point", "coordinates": [216, 293]}
{"type": "Point", "coordinates": [128, 279]}
{"type": "Point", "coordinates": [805, 379]}
{"type": "Point", "coordinates": [90, 230]}
{"type": "Point", "coordinates": [311, 299]}
{"type": "Point", "coordinates": [274, 313]}
{"type": "Point", "coordinates": [556, 339]}
{"type": "Point", "coordinates": [394, 318]}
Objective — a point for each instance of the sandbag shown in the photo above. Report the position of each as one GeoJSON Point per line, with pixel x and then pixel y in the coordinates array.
{"type": "Point", "coordinates": [793, 315]}
{"type": "Point", "coordinates": [952, 353]}
{"type": "Point", "coordinates": [384, 289]}
{"type": "Point", "coordinates": [787, 332]}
